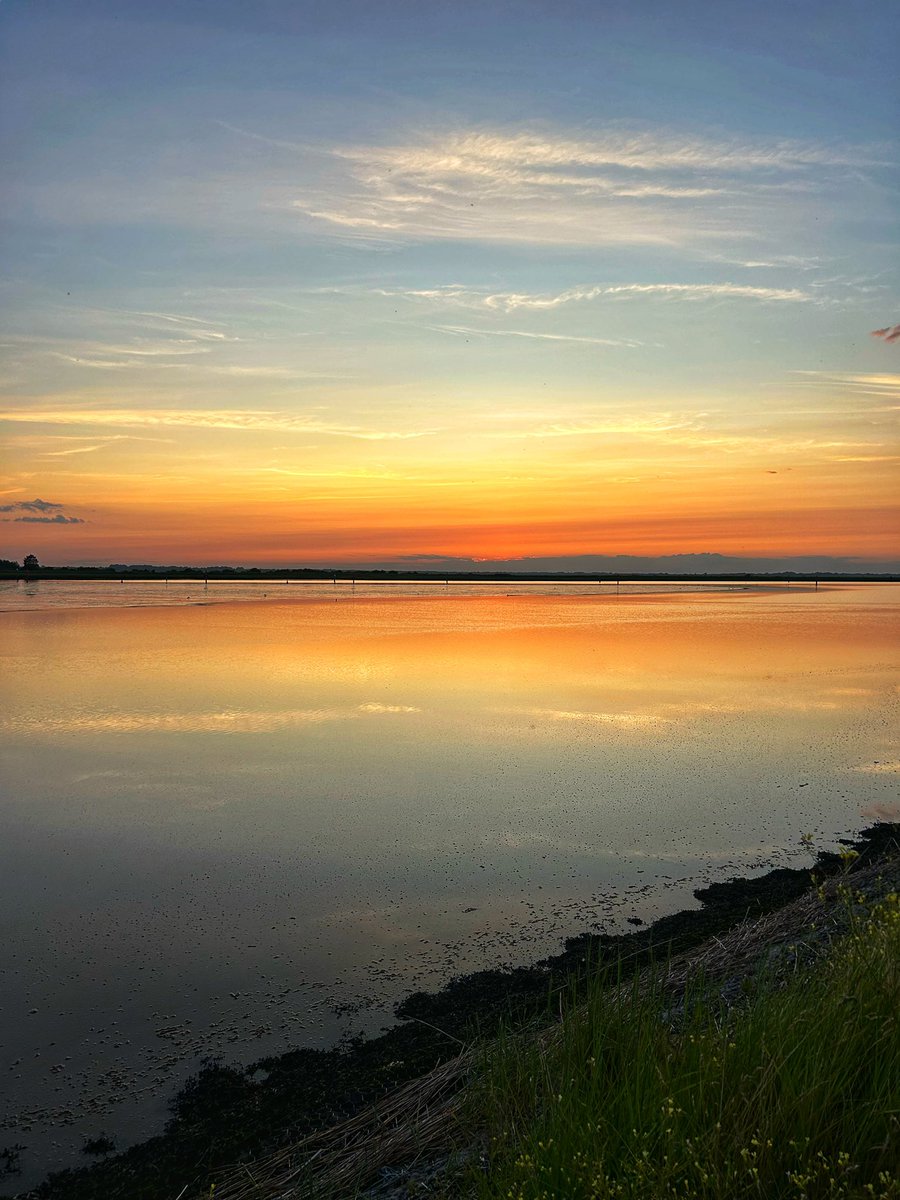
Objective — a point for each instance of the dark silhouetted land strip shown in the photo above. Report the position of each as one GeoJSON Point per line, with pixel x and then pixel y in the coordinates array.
{"type": "Point", "coordinates": [343, 574]}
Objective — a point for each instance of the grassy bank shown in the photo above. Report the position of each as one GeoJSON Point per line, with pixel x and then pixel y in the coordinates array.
{"type": "Point", "coordinates": [792, 1091]}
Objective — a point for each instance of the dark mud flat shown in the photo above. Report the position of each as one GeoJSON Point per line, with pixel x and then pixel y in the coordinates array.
{"type": "Point", "coordinates": [227, 1115]}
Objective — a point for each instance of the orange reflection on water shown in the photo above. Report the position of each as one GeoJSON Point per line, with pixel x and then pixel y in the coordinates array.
{"type": "Point", "coordinates": [630, 664]}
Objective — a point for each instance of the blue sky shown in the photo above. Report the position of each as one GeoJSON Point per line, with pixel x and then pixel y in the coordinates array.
{"type": "Point", "coordinates": [513, 248]}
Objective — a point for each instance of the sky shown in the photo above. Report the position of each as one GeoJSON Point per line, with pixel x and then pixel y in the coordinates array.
{"type": "Point", "coordinates": [295, 283]}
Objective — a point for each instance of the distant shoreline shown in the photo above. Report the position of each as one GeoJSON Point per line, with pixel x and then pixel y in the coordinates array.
{"type": "Point", "coordinates": [311, 574]}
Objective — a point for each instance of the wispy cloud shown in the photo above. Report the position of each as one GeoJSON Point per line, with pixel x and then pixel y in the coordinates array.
{"type": "Point", "coordinates": [76, 450]}
{"type": "Point", "coordinates": [608, 187]}
{"type": "Point", "coordinates": [150, 331]}
{"type": "Point", "coordinates": [866, 458]}
{"type": "Point", "coordinates": [173, 348]}
{"type": "Point", "coordinates": [802, 262]}
{"type": "Point", "coordinates": [880, 385]}
{"type": "Point", "coordinates": [245, 420]}
{"type": "Point", "coordinates": [361, 474]}
{"type": "Point", "coordinates": [694, 431]}
{"type": "Point", "coordinates": [455, 295]}
{"type": "Point", "coordinates": [87, 445]}
{"type": "Point", "coordinates": [610, 424]}
{"type": "Point", "coordinates": [203, 357]}
{"type": "Point", "coordinates": [134, 341]}
{"type": "Point", "coordinates": [229, 371]}
{"type": "Point", "coordinates": [264, 372]}
{"type": "Point", "coordinates": [198, 327]}
{"type": "Point", "coordinates": [891, 333]}
{"type": "Point", "coordinates": [681, 291]}
{"type": "Point", "coordinates": [468, 331]}
{"type": "Point", "coordinates": [158, 362]}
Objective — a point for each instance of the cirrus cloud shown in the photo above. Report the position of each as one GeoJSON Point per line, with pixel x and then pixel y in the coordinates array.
{"type": "Point", "coordinates": [606, 187]}
{"type": "Point", "coordinates": [237, 419]}
{"type": "Point", "coordinates": [455, 295]}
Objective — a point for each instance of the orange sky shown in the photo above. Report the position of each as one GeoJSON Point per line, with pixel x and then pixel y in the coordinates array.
{"type": "Point", "coordinates": [213, 495]}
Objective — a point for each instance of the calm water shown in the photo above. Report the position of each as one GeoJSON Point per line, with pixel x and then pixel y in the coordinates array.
{"type": "Point", "coordinates": [234, 828]}
{"type": "Point", "coordinates": [27, 596]}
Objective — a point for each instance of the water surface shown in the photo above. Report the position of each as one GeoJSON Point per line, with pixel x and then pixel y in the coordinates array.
{"type": "Point", "coordinates": [29, 595]}
{"type": "Point", "coordinates": [234, 828]}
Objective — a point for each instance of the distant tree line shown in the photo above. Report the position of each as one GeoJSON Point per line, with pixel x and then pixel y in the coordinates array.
{"type": "Point", "coordinates": [29, 563]}
{"type": "Point", "coordinates": [145, 571]}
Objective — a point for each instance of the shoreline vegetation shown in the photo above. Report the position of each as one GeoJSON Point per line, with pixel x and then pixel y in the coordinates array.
{"type": "Point", "coordinates": [590, 1074]}
{"type": "Point", "coordinates": [786, 1087]}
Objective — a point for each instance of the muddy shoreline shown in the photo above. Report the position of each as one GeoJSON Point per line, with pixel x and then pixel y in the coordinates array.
{"type": "Point", "coordinates": [226, 1114]}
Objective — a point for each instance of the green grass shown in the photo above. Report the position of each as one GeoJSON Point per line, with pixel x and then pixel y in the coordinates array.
{"type": "Point", "coordinates": [795, 1093]}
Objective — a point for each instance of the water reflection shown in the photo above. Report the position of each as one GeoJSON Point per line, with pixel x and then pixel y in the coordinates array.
{"type": "Point", "coordinates": [408, 787]}
{"type": "Point", "coordinates": [28, 594]}
{"type": "Point", "coordinates": [229, 721]}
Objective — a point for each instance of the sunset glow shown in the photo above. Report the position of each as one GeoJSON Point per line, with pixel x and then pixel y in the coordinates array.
{"type": "Point", "coordinates": [338, 290]}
